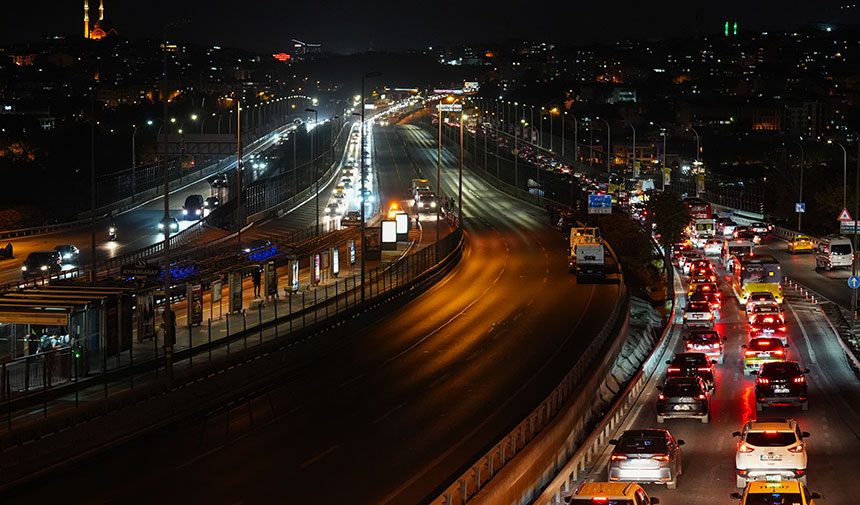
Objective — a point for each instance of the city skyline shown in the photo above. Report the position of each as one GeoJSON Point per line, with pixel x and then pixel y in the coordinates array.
{"type": "Point", "coordinates": [412, 28]}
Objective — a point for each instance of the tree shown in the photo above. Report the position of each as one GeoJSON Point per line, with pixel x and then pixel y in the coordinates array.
{"type": "Point", "coordinates": [669, 216]}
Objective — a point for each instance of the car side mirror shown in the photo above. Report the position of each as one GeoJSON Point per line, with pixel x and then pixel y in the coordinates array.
{"type": "Point", "coordinates": [736, 434]}
{"type": "Point", "coordinates": [787, 346]}
{"type": "Point", "coordinates": [815, 496]}
{"type": "Point", "coordinates": [744, 346]}
{"type": "Point", "coordinates": [613, 442]}
{"type": "Point", "coordinates": [655, 501]}
{"type": "Point", "coordinates": [713, 362]}
{"type": "Point", "coordinates": [659, 388]}
{"type": "Point", "coordinates": [725, 338]}
{"type": "Point", "coordinates": [804, 434]}
{"type": "Point", "coordinates": [805, 370]}
{"type": "Point", "coordinates": [754, 372]}
{"type": "Point", "coordinates": [736, 496]}
{"type": "Point", "coordinates": [680, 442]}
{"type": "Point", "coordinates": [668, 362]}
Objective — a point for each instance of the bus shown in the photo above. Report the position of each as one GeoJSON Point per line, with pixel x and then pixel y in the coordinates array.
{"type": "Point", "coordinates": [734, 247]}
{"type": "Point", "coordinates": [756, 273]}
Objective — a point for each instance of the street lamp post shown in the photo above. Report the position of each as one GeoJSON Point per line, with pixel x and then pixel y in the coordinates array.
{"type": "Point", "coordinates": [633, 166]}
{"type": "Point", "coordinates": [575, 138]}
{"type": "Point", "coordinates": [800, 192]}
{"type": "Point", "coordinates": [697, 142]}
{"type": "Point", "coordinates": [540, 133]}
{"type": "Point", "coordinates": [316, 170]}
{"type": "Point", "coordinates": [844, 172]}
{"type": "Point", "coordinates": [361, 154]}
{"type": "Point", "coordinates": [133, 161]}
{"type": "Point", "coordinates": [608, 147]}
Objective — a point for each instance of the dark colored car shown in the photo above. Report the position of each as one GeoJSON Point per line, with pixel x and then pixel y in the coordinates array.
{"type": "Point", "coordinates": [211, 203]}
{"type": "Point", "coordinates": [684, 397]}
{"type": "Point", "coordinates": [692, 364]}
{"type": "Point", "coordinates": [170, 223]}
{"type": "Point", "coordinates": [781, 383]}
{"type": "Point", "coordinates": [41, 263]}
{"type": "Point", "coordinates": [193, 208]}
{"type": "Point", "coordinates": [768, 325]}
{"type": "Point", "coordinates": [69, 254]}
{"type": "Point", "coordinates": [709, 298]}
{"type": "Point", "coordinates": [351, 218]}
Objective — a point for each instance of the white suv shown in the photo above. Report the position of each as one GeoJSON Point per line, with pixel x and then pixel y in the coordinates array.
{"type": "Point", "coordinates": [770, 449]}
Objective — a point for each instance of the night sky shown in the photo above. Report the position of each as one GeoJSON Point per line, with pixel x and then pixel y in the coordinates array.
{"type": "Point", "coordinates": [343, 27]}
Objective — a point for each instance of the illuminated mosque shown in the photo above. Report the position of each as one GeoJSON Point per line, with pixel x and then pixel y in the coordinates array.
{"type": "Point", "coordinates": [100, 29]}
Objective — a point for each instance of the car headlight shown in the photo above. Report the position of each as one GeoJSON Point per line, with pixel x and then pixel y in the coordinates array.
{"type": "Point", "coordinates": [160, 226]}
{"type": "Point", "coordinates": [24, 268]}
{"type": "Point", "coordinates": [184, 212]}
{"type": "Point", "coordinates": [198, 211]}
{"type": "Point", "coordinates": [43, 267]}
{"type": "Point", "coordinates": [433, 204]}
{"type": "Point", "coordinates": [67, 256]}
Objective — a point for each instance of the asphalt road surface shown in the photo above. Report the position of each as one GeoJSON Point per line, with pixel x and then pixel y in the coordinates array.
{"type": "Point", "coordinates": [394, 410]}
{"type": "Point", "coordinates": [833, 418]}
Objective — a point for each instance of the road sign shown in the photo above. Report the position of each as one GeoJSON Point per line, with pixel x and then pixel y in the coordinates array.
{"type": "Point", "coordinates": [800, 207]}
{"type": "Point", "coordinates": [848, 227]}
{"type": "Point", "coordinates": [844, 216]}
{"type": "Point", "coordinates": [854, 282]}
{"type": "Point", "coordinates": [450, 107]}
{"type": "Point", "coordinates": [600, 204]}
{"type": "Point", "coordinates": [140, 269]}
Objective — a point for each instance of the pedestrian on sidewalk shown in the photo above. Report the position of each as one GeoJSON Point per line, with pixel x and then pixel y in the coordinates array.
{"type": "Point", "coordinates": [255, 276]}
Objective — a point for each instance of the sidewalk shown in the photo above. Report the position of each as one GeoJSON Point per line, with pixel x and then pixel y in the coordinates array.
{"type": "Point", "coordinates": [209, 341]}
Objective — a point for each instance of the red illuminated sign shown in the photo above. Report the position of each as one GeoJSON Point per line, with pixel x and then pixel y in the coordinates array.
{"type": "Point", "coordinates": [281, 56]}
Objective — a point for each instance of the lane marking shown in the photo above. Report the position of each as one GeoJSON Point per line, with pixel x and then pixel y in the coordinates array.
{"type": "Point", "coordinates": [391, 411]}
{"type": "Point", "coordinates": [319, 456]}
{"type": "Point", "coordinates": [805, 335]}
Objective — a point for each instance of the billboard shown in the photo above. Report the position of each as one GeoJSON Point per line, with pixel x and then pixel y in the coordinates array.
{"type": "Point", "coordinates": [389, 232]}
{"type": "Point", "coordinates": [195, 303]}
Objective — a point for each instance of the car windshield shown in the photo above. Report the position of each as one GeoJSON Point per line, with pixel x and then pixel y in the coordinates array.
{"type": "Point", "coordinates": [39, 257]}
{"type": "Point", "coordinates": [687, 389]}
{"type": "Point", "coordinates": [773, 499]}
{"type": "Point", "coordinates": [762, 297]}
{"type": "Point", "coordinates": [771, 438]}
{"type": "Point", "coordinates": [704, 338]}
{"type": "Point", "coordinates": [843, 249]}
{"type": "Point", "coordinates": [642, 444]}
{"type": "Point", "coordinates": [695, 359]}
{"type": "Point", "coordinates": [780, 368]}
{"type": "Point", "coordinates": [765, 344]}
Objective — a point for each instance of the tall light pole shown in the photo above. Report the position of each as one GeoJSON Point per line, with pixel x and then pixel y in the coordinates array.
{"type": "Point", "coordinates": [854, 256]}
{"type": "Point", "coordinates": [575, 137]}
{"type": "Point", "coordinates": [697, 142]}
{"type": "Point", "coordinates": [800, 192]}
{"type": "Point", "coordinates": [316, 170]}
{"type": "Point", "coordinates": [133, 161]}
{"type": "Point", "coordinates": [361, 154]}
{"type": "Point", "coordinates": [460, 179]}
{"type": "Point", "coordinates": [844, 172]}
{"type": "Point", "coordinates": [540, 134]}
{"type": "Point", "coordinates": [633, 167]}
{"type": "Point", "coordinates": [608, 147]}
{"type": "Point", "coordinates": [516, 151]}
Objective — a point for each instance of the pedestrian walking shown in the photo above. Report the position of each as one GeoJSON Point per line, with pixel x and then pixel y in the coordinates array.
{"type": "Point", "coordinates": [255, 277]}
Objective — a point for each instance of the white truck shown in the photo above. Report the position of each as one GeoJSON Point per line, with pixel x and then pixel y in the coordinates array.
{"type": "Point", "coordinates": [420, 186]}
{"type": "Point", "coordinates": [586, 254]}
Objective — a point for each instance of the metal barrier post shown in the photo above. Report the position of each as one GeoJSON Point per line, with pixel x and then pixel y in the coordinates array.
{"type": "Point", "coordinates": [9, 398]}
{"type": "Point", "coordinates": [326, 301]}
{"type": "Point", "coordinates": [336, 301]}
{"type": "Point", "coordinates": [245, 328]}
{"type": "Point", "coordinates": [290, 308]}
{"type": "Point", "coordinates": [209, 342]}
{"type": "Point", "coordinates": [276, 316]}
{"type": "Point", "coordinates": [45, 387]}
{"type": "Point", "coordinates": [260, 320]}
{"type": "Point", "coordinates": [304, 325]}
{"type": "Point", "coordinates": [354, 290]}
{"type": "Point", "coordinates": [227, 318]}
{"type": "Point", "coordinates": [315, 306]}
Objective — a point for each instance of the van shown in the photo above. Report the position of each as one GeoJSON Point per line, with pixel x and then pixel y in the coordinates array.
{"type": "Point", "coordinates": [834, 251]}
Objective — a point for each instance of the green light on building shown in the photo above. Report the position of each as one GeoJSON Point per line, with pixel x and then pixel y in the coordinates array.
{"type": "Point", "coordinates": [735, 28]}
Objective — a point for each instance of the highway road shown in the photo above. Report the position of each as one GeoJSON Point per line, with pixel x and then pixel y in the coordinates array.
{"type": "Point", "coordinates": [137, 229]}
{"type": "Point", "coordinates": [833, 418]}
{"type": "Point", "coordinates": [394, 410]}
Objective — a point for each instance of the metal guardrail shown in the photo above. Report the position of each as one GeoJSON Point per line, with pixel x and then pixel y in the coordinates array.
{"type": "Point", "coordinates": [383, 284]}
{"type": "Point", "coordinates": [596, 442]}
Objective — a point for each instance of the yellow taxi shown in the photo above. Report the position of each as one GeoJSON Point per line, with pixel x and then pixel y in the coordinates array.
{"type": "Point", "coordinates": [800, 243]}
{"type": "Point", "coordinates": [610, 493]}
{"type": "Point", "coordinates": [787, 491]}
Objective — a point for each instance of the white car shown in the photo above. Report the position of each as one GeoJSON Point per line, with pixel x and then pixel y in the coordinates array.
{"type": "Point", "coordinates": [770, 449]}
{"type": "Point", "coordinates": [759, 298]}
{"type": "Point", "coordinates": [698, 315]}
{"type": "Point", "coordinates": [699, 241]}
{"type": "Point", "coordinates": [713, 247]}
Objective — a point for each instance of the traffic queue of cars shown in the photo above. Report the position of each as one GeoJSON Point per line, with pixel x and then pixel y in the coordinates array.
{"type": "Point", "coordinates": [770, 455]}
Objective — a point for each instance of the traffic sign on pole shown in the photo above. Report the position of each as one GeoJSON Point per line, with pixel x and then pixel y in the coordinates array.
{"type": "Point", "coordinates": [600, 204]}
{"type": "Point", "coordinates": [844, 216]}
{"type": "Point", "coordinates": [800, 207]}
{"type": "Point", "coordinates": [854, 282]}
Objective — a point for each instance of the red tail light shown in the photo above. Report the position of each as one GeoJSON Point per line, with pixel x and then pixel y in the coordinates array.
{"type": "Point", "coordinates": [779, 353]}
{"type": "Point", "coordinates": [762, 380]}
{"type": "Point", "coordinates": [661, 397]}
{"type": "Point", "coordinates": [750, 353]}
{"type": "Point", "coordinates": [689, 345]}
{"type": "Point", "coordinates": [764, 343]}
{"type": "Point", "coordinates": [744, 448]}
{"type": "Point", "coordinates": [783, 328]}
{"type": "Point", "coordinates": [799, 380]}
{"type": "Point", "coordinates": [600, 499]}
{"type": "Point", "coordinates": [797, 449]}
{"type": "Point", "coordinates": [661, 457]}
{"type": "Point", "coordinates": [701, 397]}
{"type": "Point", "coordinates": [673, 369]}
{"type": "Point", "coordinates": [704, 369]}
{"type": "Point", "coordinates": [618, 457]}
